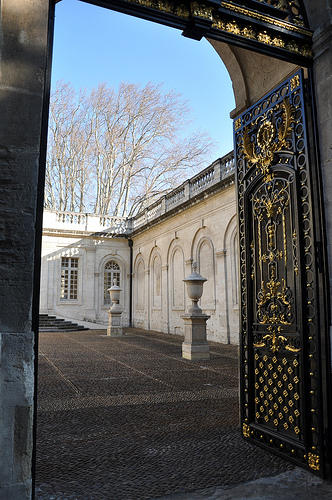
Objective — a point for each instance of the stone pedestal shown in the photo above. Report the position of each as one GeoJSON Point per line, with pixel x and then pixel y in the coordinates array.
{"type": "Point", "coordinates": [195, 345]}
{"type": "Point", "coordinates": [114, 328]}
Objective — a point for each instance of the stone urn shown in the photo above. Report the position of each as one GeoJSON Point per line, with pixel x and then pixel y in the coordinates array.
{"type": "Point", "coordinates": [114, 328]}
{"type": "Point", "coordinates": [194, 283]}
{"type": "Point", "coordinates": [115, 292]}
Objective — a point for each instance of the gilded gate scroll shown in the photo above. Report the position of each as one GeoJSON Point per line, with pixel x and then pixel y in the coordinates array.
{"type": "Point", "coordinates": [280, 381]}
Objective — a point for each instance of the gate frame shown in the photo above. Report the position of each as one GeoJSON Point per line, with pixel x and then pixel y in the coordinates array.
{"type": "Point", "coordinates": [322, 316]}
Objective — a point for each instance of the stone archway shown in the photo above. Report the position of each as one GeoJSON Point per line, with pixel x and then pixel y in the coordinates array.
{"type": "Point", "coordinates": [26, 47]}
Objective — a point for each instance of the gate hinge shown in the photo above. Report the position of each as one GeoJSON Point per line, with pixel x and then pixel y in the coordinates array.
{"type": "Point", "coordinates": [319, 256]}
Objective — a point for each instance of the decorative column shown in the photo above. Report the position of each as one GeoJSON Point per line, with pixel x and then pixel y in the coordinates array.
{"type": "Point", "coordinates": [114, 328]}
{"type": "Point", "coordinates": [164, 299]}
{"type": "Point", "coordinates": [89, 288]}
{"type": "Point", "coordinates": [224, 278]}
{"type": "Point", "coordinates": [195, 345]}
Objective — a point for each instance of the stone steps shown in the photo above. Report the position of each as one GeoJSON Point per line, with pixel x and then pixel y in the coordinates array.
{"type": "Point", "coordinates": [53, 324]}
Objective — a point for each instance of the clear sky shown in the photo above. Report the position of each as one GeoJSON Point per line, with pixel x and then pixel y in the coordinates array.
{"type": "Point", "coordinates": [94, 45]}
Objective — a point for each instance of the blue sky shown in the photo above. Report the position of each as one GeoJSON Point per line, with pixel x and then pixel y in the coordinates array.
{"type": "Point", "coordinates": [94, 45]}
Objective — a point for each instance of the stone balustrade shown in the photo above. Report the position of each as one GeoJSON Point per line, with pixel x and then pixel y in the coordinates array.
{"type": "Point", "coordinates": [92, 223]}
{"type": "Point", "coordinates": [74, 221]}
{"type": "Point", "coordinates": [220, 169]}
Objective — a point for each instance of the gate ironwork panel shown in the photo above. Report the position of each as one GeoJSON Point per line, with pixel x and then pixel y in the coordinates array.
{"type": "Point", "coordinates": [280, 347]}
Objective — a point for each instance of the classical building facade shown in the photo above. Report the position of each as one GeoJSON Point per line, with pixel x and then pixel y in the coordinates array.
{"type": "Point", "coordinates": [148, 256]}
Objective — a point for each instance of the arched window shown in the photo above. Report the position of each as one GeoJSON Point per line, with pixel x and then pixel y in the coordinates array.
{"type": "Point", "coordinates": [111, 273]}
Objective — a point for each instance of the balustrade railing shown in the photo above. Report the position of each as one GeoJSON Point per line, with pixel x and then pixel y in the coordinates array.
{"type": "Point", "coordinates": [176, 196]}
{"type": "Point", "coordinates": [221, 169]}
{"type": "Point", "coordinates": [54, 219]}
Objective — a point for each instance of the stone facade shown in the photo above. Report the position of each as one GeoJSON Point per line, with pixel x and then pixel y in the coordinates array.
{"type": "Point", "coordinates": [194, 222]}
{"type": "Point", "coordinates": [163, 255]}
{"type": "Point", "coordinates": [81, 240]}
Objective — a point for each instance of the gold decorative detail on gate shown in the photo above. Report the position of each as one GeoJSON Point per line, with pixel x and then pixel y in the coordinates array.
{"type": "Point", "coordinates": [274, 341]}
{"type": "Point", "coordinates": [247, 31]}
{"type": "Point", "coordinates": [313, 461]}
{"type": "Point", "coordinates": [267, 19]}
{"type": "Point", "coordinates": [269, 139]}
{"type": "Point", "coordinates": [242, 29]}
{"type": "Point", "coordinates": [200, 10]}
{"type": "Point", "coordinates": [295, 82]}
{"type": "Point", "coordinates": [275, 306]}
{"type": "Point", "coordinates": [238, 124]}
{"type": "Point", "coordinates": [276, 404]}
{"type": "Point", "coordinates": [246, 430]}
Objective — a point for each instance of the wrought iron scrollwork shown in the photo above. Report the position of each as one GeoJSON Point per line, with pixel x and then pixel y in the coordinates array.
{"type": "Point", "coordinates": [277, 265]}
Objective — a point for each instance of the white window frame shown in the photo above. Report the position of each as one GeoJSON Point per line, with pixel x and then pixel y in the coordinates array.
{"type": "Point", "coordinates": [109, 275]}
{"type": "Point", "coordinates": [69, 277]}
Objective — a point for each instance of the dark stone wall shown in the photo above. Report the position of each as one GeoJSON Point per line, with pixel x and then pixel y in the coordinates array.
{"type": "Point", "coordinates": [23, 48]}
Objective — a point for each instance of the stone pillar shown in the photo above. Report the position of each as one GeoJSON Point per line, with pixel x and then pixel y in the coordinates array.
{"type": "Point", "coordinates": [222, 295]}
{"type": "Point", "coordinates": [88, 287]}
{"type": "Point", "coordinates": [322, 69]}
{"type": "Point", "coordinates": [195, 345]}
{"type": "Point", "coordinates": [147, 305]}
{"type": "Point", "coordinates": [164, 298]}
{"type": "Point", "coordinates": [114, 328]}
{"type": "Point", "coordinates": [24, 85]}
{"type": "Point", "coordinates": [51, 284]}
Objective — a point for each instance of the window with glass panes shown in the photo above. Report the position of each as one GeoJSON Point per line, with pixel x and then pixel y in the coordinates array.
{"type": "Point", "coordinates": [69, 278]}
{"type": "Point", "coordinates": [111, 277]}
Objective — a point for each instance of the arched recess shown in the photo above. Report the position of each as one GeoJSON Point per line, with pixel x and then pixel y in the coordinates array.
{"type": "Point", "coordinates": [139, 299]}
{"type": "Point", "coordinates": [176, 276]}
{"type": "Point", "coordinates": [102, 270]}
{"type": "Point", "coordinates": [139, 289]}
{"type": "Point", "coordinates": [252, 74]}
{"type": "Point", "coordinates": [204, 254]}
{"type": "Point", "coordinates": [206, 266]}
{"type": "Point", "coordinates": [155, 290]}
{"type": "Point", "coordinates": [176, 287]}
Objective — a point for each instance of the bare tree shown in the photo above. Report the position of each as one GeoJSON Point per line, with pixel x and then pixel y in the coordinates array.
{"type": "Point", "coordinates": [112, 152]}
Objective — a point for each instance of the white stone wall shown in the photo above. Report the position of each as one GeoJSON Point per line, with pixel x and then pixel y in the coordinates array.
{"type": "Point", "coordinates": [204, 232]}
{"type": "Point", "coordinates": [163, 254]}
{"type": "Point", "coordinates": [93, 252]}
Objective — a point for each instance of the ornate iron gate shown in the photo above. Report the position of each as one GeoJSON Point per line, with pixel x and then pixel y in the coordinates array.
{"type": "Point", "coordinates": [281, 370]}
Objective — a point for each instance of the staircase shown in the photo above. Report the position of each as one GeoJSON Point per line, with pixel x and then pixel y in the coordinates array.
{"type": "Point", "coordinates": [53, 324]}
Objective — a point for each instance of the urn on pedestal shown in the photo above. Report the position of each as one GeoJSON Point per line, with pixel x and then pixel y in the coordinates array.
{"type": "Point", "coordinates": [195, 345]}
{"type": "Point", "coordinates": [114, 328]}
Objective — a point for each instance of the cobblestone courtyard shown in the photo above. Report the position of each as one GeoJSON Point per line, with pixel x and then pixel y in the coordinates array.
{"type": "Point", "coordinates": [128, 418]}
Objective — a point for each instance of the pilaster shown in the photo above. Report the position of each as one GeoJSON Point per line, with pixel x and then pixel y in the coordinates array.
{"type": "Point", "coordinates": [89, 285]}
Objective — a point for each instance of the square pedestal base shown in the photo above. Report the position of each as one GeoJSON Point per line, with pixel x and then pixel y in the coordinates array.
{"type": "Point", "coordinates": [114, 328]}
{"type": "Point", "coordinates": [195, 351]}
{"type": "Point", "coordinates": [113, 331]}
{"type": "Point", "coordinates": [195, 345]}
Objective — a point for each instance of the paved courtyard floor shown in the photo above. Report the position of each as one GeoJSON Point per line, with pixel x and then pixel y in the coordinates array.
{"type": "Point", "coordinates": [128, 418]}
